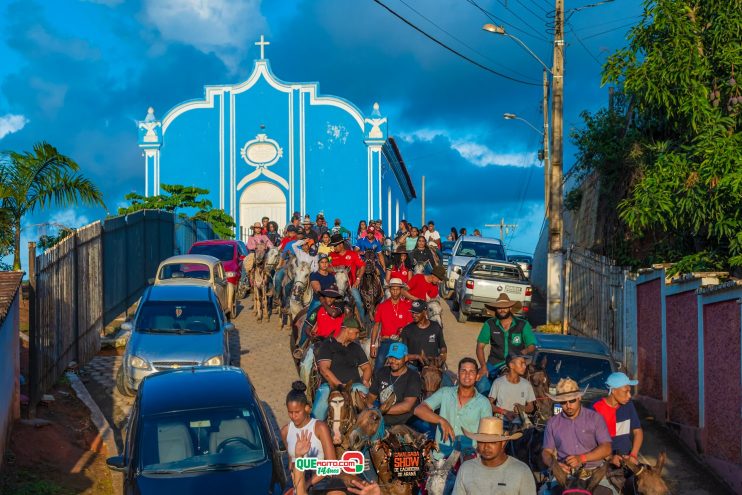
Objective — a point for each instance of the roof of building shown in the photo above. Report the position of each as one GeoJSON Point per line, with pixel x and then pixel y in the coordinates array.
{"type": "Point", "coordinates": [9, 284]}
{"type": "Point", "coordinates": [393, 143]}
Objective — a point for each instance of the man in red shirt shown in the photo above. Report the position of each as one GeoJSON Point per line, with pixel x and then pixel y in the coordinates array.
{"type": "Point", "coordinates": [391, 317]}
{"type": "Point", "coordinates": [343, 257]}
{"type": "Point", "coordinates": [425, 287]}
{"type": "Point", "coordinates": [323, 322]}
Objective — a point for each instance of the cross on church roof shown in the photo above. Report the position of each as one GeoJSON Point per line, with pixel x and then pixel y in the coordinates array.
{"type": "Point", "coordinates": [262, 43]}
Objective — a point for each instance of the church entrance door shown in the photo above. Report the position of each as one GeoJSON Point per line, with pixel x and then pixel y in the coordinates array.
{"type": "Point", "coordinates": [262, 199]}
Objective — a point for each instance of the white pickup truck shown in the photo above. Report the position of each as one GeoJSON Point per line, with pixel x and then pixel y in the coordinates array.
{"type": "Point", "coordinates": [482, 280]}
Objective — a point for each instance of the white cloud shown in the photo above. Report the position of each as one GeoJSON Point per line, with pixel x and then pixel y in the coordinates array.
{"type": "Point", "coordinates": [226, 28]}
{"type": "Point", "coordinates": [11, 123]}
{"type": "Point", "coordinates": [68, 218]}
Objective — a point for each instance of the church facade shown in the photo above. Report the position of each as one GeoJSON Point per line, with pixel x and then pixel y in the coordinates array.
{"type": "Point", "coordinates": [266, 147]}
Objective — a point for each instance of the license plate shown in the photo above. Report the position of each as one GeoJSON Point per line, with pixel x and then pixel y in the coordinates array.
{"type": "Point", "coordinates": [513, 290]}
{"type": "Point", "coordinates": [557, 409]}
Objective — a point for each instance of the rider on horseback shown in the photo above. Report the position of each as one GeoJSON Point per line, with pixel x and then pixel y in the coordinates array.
{"type": "Point", "coordinates": [370, 243]}
{"type": "Point", "coordinates": [343, 257]}
{"type": "Point", "coordinates": [397, 379]}
{"type": "Point", "coordinates": [424, 337]}
{"type": "Point", "coordinates": [320, 280]}
{"type": "Point", "coordinates": [505, 334]}
{"type": "Point", "coordinates": [391, 316]}
{"type": "Point", "coordinates": [400, 269]}
{"type": "Point", "coordinates": [511, 392]}
{"type": "Point", "coordinates": [327, 320]}
{"type": "Point", "coordinates": [257, 237]}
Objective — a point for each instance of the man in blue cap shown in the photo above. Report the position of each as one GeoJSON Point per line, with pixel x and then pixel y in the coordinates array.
{"type": "Point", "coordinates": [621, 418]}
{"type": "Point", "coordinates": [396, 378]}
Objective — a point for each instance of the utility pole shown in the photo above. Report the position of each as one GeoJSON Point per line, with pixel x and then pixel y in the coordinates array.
{"type": "Point", "coordinates": [503, 227]}
{"type": "Point", "coordinates": [555, 309]}
{"type": "Point", "coordinates": [547, 150]}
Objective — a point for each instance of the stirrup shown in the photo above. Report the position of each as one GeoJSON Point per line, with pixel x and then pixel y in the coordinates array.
{"type": "Point", "coordinates": [298, 353]}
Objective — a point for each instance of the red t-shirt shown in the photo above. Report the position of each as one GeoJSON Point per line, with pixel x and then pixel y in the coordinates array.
{"type": "Point", "coordinates": [285, 241]}
{"type": "Point", "coordinates": [393, 317]}
{"type": "Point", "coordinates": [349, 259]}
{"type": "Point", "coordinates": [400, 272]}
{"type": "Point", "coordinates": [327, 325]}
{"type": "Point", "coordinates": [421, 288]}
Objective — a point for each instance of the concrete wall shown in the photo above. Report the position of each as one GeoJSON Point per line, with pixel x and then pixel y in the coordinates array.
{"type": "Point", "coordinates": [9, 371]}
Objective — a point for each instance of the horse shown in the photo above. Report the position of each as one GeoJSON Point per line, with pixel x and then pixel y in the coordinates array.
{"type": "Point", "coordinates": [435, 310]}
{"type": "Point", "coordinates": [431, 374]}
{"type": "Point", "coordinates": [341, 412]}
{"type": "Point", "coordinates": [301, 293]}
{"type": "Point", "coordinates": [582, 481]}
{"type": "Point", "coordinates": [438, 473]}
{"type": "Point", "coordinates": [644, 479]}
{"type": "Point", "coordinates": [371, 287]}
{"type": "Point", "coordinates": [343, 283]}
{"type": "Point", "coordinates": [260, 282]}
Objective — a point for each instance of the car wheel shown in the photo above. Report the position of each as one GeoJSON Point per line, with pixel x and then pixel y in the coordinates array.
{"type": "Point", "coordinates": [462, 317]}
{"type": "Point", "coordinates": [121, 383]}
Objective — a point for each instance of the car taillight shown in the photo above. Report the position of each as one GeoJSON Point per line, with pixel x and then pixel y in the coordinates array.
{"type": "Point", "coordinates": [470, 284]}
{"type": "Point", "coordinates": [467, 302]}
{"type": "Point", "coordinates": [530, 267]}
{"type": "Point", "coordinates": [525, 309]}
{"type": "Point", "coordinates": [528, 291]}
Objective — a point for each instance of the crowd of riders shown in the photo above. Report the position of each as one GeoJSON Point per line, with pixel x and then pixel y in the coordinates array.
{"type": "Point", "coordinates": [479, 408]}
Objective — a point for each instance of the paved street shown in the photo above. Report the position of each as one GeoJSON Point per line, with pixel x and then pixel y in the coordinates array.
{"type": "Point", "coordinates": [262, 350]}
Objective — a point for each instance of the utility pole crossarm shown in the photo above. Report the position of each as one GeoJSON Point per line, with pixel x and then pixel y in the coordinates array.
{"type": "Point", "coordinates": [503, 227]}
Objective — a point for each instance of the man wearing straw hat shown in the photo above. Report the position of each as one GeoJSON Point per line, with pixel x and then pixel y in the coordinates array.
{"type": "Point", "coordinates": [577, 437]}
{"type": "Point", "coordinates": [390, 318]}
{"type": "Point", "coordinates": [257, 237]}
{"type": "Point", "coordinates": [505, 334]}
{"type": "Point", "coordinates": [493, 471]}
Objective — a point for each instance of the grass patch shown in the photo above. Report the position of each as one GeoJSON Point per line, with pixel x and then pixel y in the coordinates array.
{"type": "Point", "coordinates": [29, 483]}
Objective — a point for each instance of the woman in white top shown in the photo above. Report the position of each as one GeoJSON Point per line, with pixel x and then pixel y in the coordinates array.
{"type": "Point", "coordinates": [305, 436]}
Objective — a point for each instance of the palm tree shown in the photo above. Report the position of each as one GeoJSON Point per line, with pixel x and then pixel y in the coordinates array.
{"type": "Point", "coordinates": [38, 179]}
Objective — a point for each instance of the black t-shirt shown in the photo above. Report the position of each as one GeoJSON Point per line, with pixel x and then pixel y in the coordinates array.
{"type": "Point", "coordinates": [428, 339]}
{"type": "Point", "coordinates": [420, 257]}
{"type": "Point", "coordinates": [405, 385]}
{"type": "Point", "coordinates": [345, 359]}
{"type": "Point", "coordinates": [325, 281]}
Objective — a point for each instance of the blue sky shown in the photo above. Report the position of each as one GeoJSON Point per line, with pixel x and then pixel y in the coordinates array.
{"type": "Point", "coordinates": [80, 73]}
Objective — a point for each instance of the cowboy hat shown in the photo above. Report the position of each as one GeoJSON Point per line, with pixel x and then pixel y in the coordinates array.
{"type": "Point", "coordinates": [439, 272]}
{"type": "Point", "coordinates": [401, 249]}
{"type": "Point", "coordinates": [566, 390]}
{"type": "Point", "coordinates": [331, 291]}
{"type": "Point", "coordinates": [336, 239]}
{"type": "Point", "coordinates": [504, 302]}
{"type": "Point", "coordinates": [307, 221]}
{"type": "Point", "coordinates": [491, 430]}
{"type": "Point", "coordinates": [397, 282]}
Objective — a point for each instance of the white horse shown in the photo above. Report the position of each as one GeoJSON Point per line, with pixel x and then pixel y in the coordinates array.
{"type": "Point", "coordinates": [301, 294]}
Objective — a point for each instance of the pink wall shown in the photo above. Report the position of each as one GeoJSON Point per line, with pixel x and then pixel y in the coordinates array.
{"type": "Point", "coordinates": [649, 338]}
{"type": "Point", "coordinates": [722, 378]}
{"type": "Point", "coordinates": [682, 357]}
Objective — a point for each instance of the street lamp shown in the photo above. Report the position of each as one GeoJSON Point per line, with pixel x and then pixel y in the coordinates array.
{"type": "Point", "coordinates": [501, 30]}
{"type": "Point", "coordinates": [512, 116]}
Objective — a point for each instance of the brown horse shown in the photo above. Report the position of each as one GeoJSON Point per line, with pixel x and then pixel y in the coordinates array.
{"type": "Point", "coordinates": [645, 479]}
{"type": "Point", "coordinates": [341, 413]}
{"type": "Point", "coordinates": [370, 286]}
{"type": "Point", "coordinates": [580, 482]}
{"type": "Point", "coordinates": [431, 374]}
{"type": "Point", "coordinates": [260, 277]}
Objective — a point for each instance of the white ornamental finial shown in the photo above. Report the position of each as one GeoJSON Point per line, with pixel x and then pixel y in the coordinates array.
{"type": "Point", "coordinates": [262, 44]}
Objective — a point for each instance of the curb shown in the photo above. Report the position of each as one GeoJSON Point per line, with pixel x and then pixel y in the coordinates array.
{"type": "Point", "coordinates": [105, 432]}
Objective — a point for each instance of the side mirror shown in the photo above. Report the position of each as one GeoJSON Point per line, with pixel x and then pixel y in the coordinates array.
{"type": "Point", "coordinates": [117, 463]}
{"type": "Point", "coordinates": [150, 281]}
{"type": "Point", "coordinates": [127, 326]}
{"type": "Point", "coordinates": [229, 327]}
{"type": "Point", "coordinates": [457, 269]}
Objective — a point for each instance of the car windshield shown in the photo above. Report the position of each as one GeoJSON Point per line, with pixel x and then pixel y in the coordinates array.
{"type": "Point", "coordinates": [480, 250]}
{"type": "Point", "coordinates": [201, 440]}
{"type": "Point", "coordinates": [222, 252]}
{"type": "Point", "coordinates": [491, 271]}
{"type": "Point", "coordinates": [185, 270]}
{"type": "Point", "coordinates": [177, 317]}
{"type": "Point", "coordinates": [586, 371]}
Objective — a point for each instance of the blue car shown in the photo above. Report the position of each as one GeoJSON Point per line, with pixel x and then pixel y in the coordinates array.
{"type": "Point", "coordinates": [200, 430]}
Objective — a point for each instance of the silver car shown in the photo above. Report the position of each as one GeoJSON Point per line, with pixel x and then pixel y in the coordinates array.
{"type": "Point", "coordinates": [174, 327]}
{"type": "Point", "coordinates": [465, 249]}
{"type": "Point", "coordinates": [202, 270]}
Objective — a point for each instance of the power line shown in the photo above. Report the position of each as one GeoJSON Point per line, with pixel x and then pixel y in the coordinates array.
{"type": "Point", "coordinates": [495, 19]}
{"type": "Point", "coordinates": [504, 4]}
{"type": "Point", "coordinates": [536, 4]}
{"type": "Point", "coordinates": [612, 21]}
{"type": "Point", "coordinates": [452, 50]}
{"type": "Point", "coordinates": [571, 28]}
{"type": "Point", "coordinates": [457, 39]}
{"type": "Point", "coordinates": [608, 31]}
{"type": "Point", "coordinates": [534, 14]}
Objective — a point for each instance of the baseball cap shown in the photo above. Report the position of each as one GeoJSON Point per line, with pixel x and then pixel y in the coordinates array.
{"type": "Point", "coordinates": [290, 228]}
{"type": "Point", "coordinates": [323, 256]}
{"type": "Point", "coordinates": [397, 350]}
{"type": "Point", "coordinates": [419, 306]}
{"type": "Point", "coordinates": [371, 228]}
{"type": "Point", "coordinates": [619, 379]}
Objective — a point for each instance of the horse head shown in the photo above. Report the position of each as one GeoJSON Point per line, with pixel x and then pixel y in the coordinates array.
{"type": "Point", "coordinates": [649, 478]}
{"type": "Point", "coordinates": [438, 473]}
{"type": "Point", "coordinates": [271, 257]}
{"type": "Point", "coordinates": [431, 374]}
{"type": "Point", "coordinates": [539, 379]}
{"type": "Point", "coordinates": [418, 268]}
{"type": "Point", "coordinates": [369, 426]}
{"type": "Point", "coordinates": [341, 414]}
{"type": "Point", "coordinates": [341, 278]}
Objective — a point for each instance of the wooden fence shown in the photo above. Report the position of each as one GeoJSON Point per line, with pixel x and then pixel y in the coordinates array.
{"type": "Point", "coordinates": [84, 282]}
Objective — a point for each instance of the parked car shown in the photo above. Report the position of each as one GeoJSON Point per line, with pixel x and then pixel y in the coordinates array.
{"type": "Point", "coordinates": [525, 262]}
{"type": "Point", "coordinates": [483, 280]}
{"type": "Point", "coordinates": [200, 430]}
{"type": "Point", "coordinates": [465, 249]}
{"type": "Point", "coordinates": [586, 360]}
{"type": "Point", "coordinates": [175, 326]}
{"type": "Point", "coordinates": [202, 270]}
{"type": "Point", "coordinates": [231, 254]}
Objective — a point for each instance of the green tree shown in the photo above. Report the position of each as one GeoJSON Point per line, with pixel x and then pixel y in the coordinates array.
{"type": "Point", "coordinates": [682, 156]}
{"type": "Point", "coordinates": [181, 197]}
{"type": "Point", "coordinates": [37, 179]}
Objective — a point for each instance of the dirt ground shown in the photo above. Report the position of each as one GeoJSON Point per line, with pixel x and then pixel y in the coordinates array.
{"type": "Point", "coordinates": [64, 457]}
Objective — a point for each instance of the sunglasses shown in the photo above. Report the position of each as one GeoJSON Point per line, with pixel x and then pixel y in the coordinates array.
{"type": "Point", "coordinates": [568, 401]}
